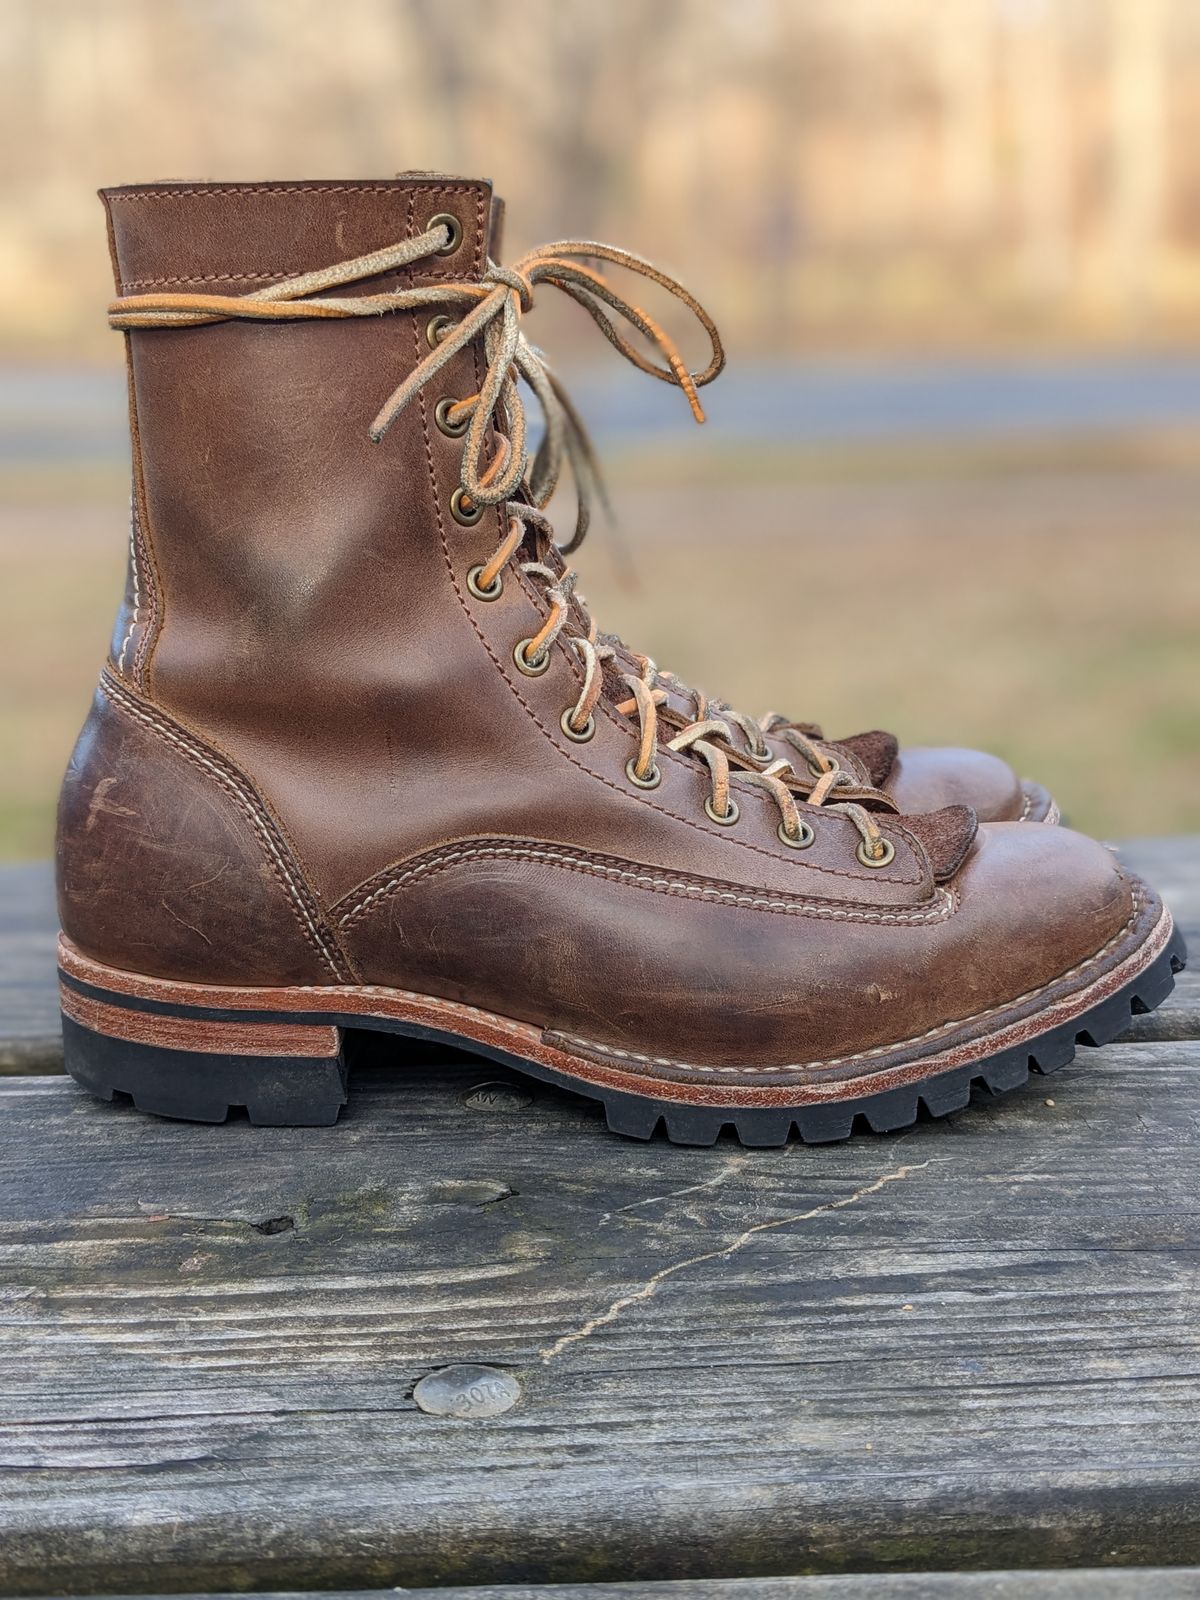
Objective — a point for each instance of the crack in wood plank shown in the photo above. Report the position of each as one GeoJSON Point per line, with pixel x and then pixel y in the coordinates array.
{"type": "Point", "coordinates": [734, 1164]}
{"type": "Point", "coordinates": [652, 1285]}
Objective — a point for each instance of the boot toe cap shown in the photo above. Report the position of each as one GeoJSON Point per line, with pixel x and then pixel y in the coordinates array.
{"type": "Point", "coordinates": [1050, 901]}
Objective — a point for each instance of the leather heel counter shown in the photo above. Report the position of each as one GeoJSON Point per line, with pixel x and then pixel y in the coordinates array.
{"type": "Point", "coordinates": [169, 865]}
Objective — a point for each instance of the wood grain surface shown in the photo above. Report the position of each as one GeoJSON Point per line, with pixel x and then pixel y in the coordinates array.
{"type": "Point", "coordinates": [1094, 1583]}
{"type": "Point", "coordinates": [972, 1345]}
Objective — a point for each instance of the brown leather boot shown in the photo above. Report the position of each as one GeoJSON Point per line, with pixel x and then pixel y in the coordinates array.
{"type": "Point", "coordinates": [358, 759]}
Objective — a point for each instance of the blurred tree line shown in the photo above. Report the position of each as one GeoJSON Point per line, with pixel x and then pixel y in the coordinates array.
{"type": "Point", "coordinates": [874, 170]}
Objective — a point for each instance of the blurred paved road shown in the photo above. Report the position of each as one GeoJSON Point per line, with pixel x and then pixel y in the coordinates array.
{"type": "Point", "coordinates": [79, 416]}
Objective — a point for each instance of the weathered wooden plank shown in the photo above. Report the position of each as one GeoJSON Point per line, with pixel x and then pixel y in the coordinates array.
{"type": "Point", "coordinates": [29, 1030]}
{"type": "Point", "coordinates": [973, 1345]}
{"type": "Point", "coordinates": [1134, 1583]}
{"type": "Point", "coordinates": [1094, 1583]}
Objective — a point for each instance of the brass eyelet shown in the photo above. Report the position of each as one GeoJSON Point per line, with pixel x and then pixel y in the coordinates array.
{"type": "Point", "coordinates": [730, 817]}
{"type": "Point", "coordinates": [441, 415]}
{"type": "Point", "coordinates": [802, 840]}
{"type": "Point", "coordinates": [453, 226]}
{"type": "Point", "coordinates": [581, 735]}
{"type": "Point", "coordinates": [437, 328]}
{"type": "Point", "coordinates": [819, 772]}
{"type": "Point", "coordinates": [463, 509]}
{"type": "Point", "coordinates": [531, 669]}
{"type": "Point", "coordinates": [889, 853]}
{"type": "Point", "coordinates": [652, 779]}
{"type": "Point", "coordinates": [493, 590]}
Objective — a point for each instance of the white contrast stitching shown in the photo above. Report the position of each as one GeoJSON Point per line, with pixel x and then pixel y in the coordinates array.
{"type": "Point", "coordinates": [227, 782]}
{"type": "Point", "coordinates": [878, 1050]}
{"type": "Point", "coordinates": [643, 880]}
{"type": "Point", "coordinates": [137, 597]}
{"type": "Point", "coordinates": [207, 277]}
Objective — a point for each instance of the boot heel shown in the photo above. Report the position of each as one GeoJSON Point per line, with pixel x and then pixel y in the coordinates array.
{"type": "Point", "coordinates": [285, 1075]}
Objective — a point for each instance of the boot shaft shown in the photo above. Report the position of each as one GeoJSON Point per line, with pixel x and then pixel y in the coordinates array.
{"type": "Point", "coordinates": [284, 574]}
{"type": "Point", "coordinates": [299, 588]}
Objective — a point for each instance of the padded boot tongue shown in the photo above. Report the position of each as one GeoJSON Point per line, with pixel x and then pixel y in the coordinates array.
{"type": "Point", "coordinates": [875, 752]}
{"type": "Point", "coordinates": [946, 836]}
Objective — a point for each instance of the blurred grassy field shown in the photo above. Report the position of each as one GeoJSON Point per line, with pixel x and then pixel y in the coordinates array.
{"type": "Point", "coordinates": [1041, 600]}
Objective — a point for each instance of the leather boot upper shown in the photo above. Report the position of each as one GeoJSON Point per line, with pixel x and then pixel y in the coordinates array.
{"type": "Point", "coordinates": [352, 753]}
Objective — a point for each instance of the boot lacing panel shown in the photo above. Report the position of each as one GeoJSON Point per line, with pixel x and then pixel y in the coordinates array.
{"type": "Point", "coordinates": [494, 307]}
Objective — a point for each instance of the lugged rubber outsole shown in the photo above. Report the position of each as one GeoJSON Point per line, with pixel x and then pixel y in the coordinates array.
{"type": "Point", "coordinates": [181, 1069]}
{"type": "Point", "coordinates": [276, 1092]}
